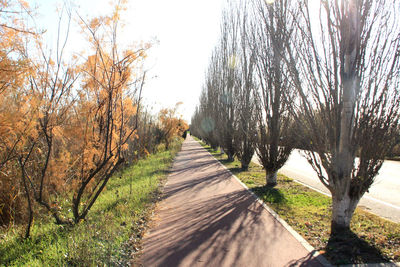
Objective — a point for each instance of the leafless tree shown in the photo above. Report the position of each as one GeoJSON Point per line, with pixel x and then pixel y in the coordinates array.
{"type": "Point", "coordinates": [207, 115]}
{"type": "Point", "coordinates": [245, 131]}
{"type": "Point", "coordinates": [345, 66]}
{"type": "Point", "coordinates": [273, 30]}
{"type": "Point", "coordinates": [227, 75]}
{"type": "Point", "coordinates": [216, 120]}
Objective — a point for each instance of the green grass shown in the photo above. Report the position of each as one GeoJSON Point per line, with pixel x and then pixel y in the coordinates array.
{"type": "Point", "coordinates": [308, 212]}
{"type": "Point", "coordinates": [112, 232]}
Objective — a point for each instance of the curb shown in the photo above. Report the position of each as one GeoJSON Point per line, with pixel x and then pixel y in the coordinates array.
{"type": "Point", "coordinates": [389, 264]}
{"type": "Point", "coordinates": [297, 236]}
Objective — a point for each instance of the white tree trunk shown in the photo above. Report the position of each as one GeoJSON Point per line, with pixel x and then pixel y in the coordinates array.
{"type": "Point", "coordinates": [342, 211]}
{"type": "Point", "coordinates": [272, 178]}
{"type": "Point", "coordinates": [343, 205]}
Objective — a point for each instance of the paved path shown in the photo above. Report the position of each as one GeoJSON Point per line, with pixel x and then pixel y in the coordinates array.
{"type": "Point", "coordinates": [207, 218]}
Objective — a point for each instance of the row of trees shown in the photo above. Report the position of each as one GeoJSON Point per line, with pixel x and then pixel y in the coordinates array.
{"type": "Point", "coordinates": [282, 77]}
{"type": "Point", "coordinates": [67, 126]}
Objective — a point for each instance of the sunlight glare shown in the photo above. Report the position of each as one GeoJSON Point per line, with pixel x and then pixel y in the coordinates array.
{"type": "Point", "coordinates": [232, 61]}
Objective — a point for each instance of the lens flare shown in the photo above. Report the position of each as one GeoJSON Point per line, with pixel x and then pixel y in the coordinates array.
{"type": "Point", "coordinates": [232, 61]}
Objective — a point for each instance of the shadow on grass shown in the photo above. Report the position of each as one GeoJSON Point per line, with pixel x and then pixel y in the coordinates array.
{"type": "Point", "coordinates": [214, 152]}
{"type": "Point", "coordinates": [235, 170]}
{"type": "Point", "coordinates": [270, 194]}
{"type": "Point", "coordinates": [348, 248]}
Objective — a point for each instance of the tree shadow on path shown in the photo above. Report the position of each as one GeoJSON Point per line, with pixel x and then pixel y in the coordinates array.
{"type": "Point", "coordinates": [206, 218]}
{"type": "Point", "coordinates": [202, 233]}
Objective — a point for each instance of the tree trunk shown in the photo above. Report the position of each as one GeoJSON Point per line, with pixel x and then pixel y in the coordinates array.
{"type": "Point", "coordinates": [342, 211]}
{"type": "Point", "coordinates": [30, 217]}
{"type": "Point", "coordinates": [343, 205]}
{"type": "Point", "coordinates": [245, 166]}
{"type": "Point", "coordinates": [246, 157]}
{"type": "Point", "coordinates": [271, 178]}
{"type": "Point", "coordinates": [30, 211]}
{"type": "Point", "coordinates": [28, 199]}
{"type": "Point", "coordinates": [230, 157]}
{"type": "Point", "coordinates": [166, 145]}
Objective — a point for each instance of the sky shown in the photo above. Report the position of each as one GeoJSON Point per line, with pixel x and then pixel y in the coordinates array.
{"type": "Point", "coordinates": [186, 32]}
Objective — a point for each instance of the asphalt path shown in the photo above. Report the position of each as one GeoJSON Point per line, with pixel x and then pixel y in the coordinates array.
{"type": "Point", "coordinates": [383, 198]}
{"type": "Point", "coordinates": [207, 218]}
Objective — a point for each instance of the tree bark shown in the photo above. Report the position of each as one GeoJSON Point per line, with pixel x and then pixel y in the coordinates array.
{"type": "Point", "coordinates": [342, 211]}
{"type": "Point", "coordinates": [343, 205]}
{"type": "Point", "coordinates": [166, 145]}
{"type": "Point", "coordinates": [230, 157]}
{"type": "Point", "coordinates": [271, 178]}
{"type": "Point", "coordinates": [29, 201]}
{"type": "Point", "coordinates": [245, 167]}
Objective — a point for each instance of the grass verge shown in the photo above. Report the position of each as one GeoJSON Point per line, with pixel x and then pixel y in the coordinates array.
{"type": "Point", "coordinates": [112, 232]}
{"type": "Point", "coordinates": [372, 239]}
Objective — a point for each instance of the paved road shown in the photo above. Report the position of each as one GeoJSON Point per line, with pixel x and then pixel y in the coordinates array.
{"type": "Point", "coordinates": [207, 218]}
{"type": "Point", "coordinates": [383, 198]}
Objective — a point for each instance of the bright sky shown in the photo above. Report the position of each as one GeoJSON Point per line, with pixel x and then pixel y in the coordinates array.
{"type": "Point", "coordinates": [187, 32]}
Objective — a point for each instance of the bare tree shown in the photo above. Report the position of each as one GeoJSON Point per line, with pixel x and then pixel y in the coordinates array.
{"type": "Point", "coordinates": [345, 67]}
{"type": "Point", "coordinates": [225, 116]}
{"type": "Point", "coordinates": [210, 102]}
{"type": "Point", "coordinates": [207, 115]}
{"type": "Point", "coordinates": [275, 142]}
{"type": "Point", "coordinates": [215, 120]}
{"type": "Point", "coordinates": [227, 74]}
{"type": "Point", "coordinates": [245, 131]}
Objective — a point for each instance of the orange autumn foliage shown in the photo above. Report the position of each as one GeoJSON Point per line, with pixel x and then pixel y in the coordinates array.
{"type": "Point", "coordinates": [171, 125]}
{"type": "Point", "coordinates": [17, 112]}
{"type": "Point", "coordinates": [64, 128]}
